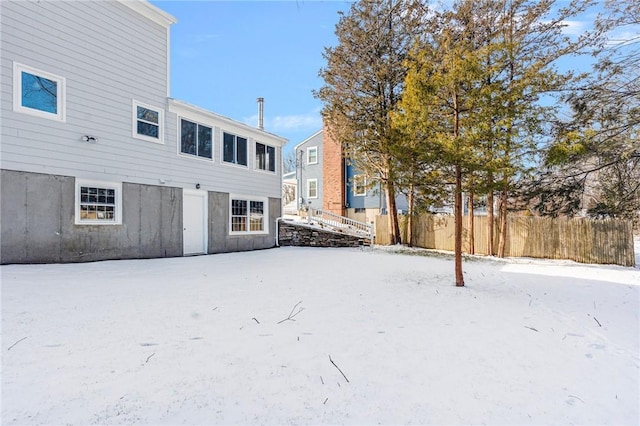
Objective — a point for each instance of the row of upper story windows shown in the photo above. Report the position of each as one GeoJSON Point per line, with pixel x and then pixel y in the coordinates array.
{"type": "Point", "coordinates": [43, 94]}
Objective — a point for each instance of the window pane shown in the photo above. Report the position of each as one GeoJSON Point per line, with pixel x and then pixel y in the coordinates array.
{"type": "Point", "coordinates": [241, 151]}
{"type": "Point", "coordinates": [238, 207]}
{"type": "Point", "coordinates": [260, 156]}
{"type": "Point", "coordinates": [39, 93]}
{"type": "Point", "coordinates": [257, 207]}
{"type": "Point", "coordinates": [313, 155]}
{"type": "Point", "coordinates": [256, 216]}
{"type": "Point", "coordinates": [313, 188]}
{"type": "Point", "coordinates": [271, 158]}
{"type": "Point", "coordinates": [238, 215]}
{"type": "Point", "coordinates": [359, 185]}
{"type": "Point", "coordinates": [147, 115]}
{"type": "Point", "coordinates": [228, 148]}
{"type": "Point", "coordinates": [97, 204]}
{"type": "Point", "coordinates": [239, 223]}
{"type": "Point", "coordinates": [148, 129]}
{"type": "Point", "coordinates": [188, 137]}
{"type": "Point", "coordinates": [204, 141]}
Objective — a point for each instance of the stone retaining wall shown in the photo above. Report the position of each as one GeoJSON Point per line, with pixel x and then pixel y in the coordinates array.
{"type": "Point", "coordinates": [295, 234]}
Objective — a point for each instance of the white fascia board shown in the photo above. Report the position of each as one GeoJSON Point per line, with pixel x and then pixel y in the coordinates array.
{"type": "Point", "coordinates": [185, 109]}
{"type": "Point", "coordinates": [150, 11]}
{"type": "Point", "coordinates": [295, 148]}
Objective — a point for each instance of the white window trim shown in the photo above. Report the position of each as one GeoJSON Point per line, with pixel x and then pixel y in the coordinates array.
{"type": "Point", "coordinates": [101, 184]}
{"type": "Point", "coordinates": [275, 160]}
{"type": "Point", "coordinates": [248, 199]}
{"type": "Point", "coordinates": [61, 100]}
{"type": "Point", "coordinates": [179, 144]}
{"type": "Point", "coordinates": [312, 148]}
{"type": "Point", "coordinates": [134, 123]}
{"type": "Point", "coordinates": [355, 186]}
{"type": "Point", "coordinates": [309, 188]}
{"type": "Point", "coordinates": [250, 152]}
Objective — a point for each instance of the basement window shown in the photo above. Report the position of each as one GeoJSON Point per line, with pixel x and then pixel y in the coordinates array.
{"type": "Point", "coordinates": [98, 203]}
{"type": "Point", "coordinates": [248, 215]}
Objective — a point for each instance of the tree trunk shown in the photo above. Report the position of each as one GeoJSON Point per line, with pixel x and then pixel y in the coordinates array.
{"type": "Point", "coordinates": [392, 213]}
{"type": "Point", "coordinates": [503, 220]}
{"type": "Point", "coordinates": [490, 215]}
{"type": "Point", "coordinates": [410, 216]}
{"type": "Point", "coordinates": [472, 244]}
{"type": "Point", "coordinates": [457, 212]}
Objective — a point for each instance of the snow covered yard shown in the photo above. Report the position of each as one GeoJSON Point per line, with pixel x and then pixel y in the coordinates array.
{"type": "Point", "coordinates": [373, 337]}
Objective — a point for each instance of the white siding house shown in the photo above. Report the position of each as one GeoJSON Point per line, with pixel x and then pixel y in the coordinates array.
{"type": "Point", "coordinates": [98, 162]}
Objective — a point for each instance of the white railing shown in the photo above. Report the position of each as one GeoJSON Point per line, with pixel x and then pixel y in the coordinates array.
{"type": "Point", "coordinates": [341, 224]}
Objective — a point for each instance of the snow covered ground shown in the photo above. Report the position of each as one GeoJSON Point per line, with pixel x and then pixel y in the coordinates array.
{"type": "Point", "coordinates": [320, 336]}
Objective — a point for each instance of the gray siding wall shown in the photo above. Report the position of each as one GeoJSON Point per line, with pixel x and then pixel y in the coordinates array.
{"type": "Point", "coordinates": [219, 239]}
{"type": "Point", "coordinates": [310, 171]}
{"type": "Point", "coordinates": [37, 214]}
{"type": "Point", "coordinates": [109, 56]}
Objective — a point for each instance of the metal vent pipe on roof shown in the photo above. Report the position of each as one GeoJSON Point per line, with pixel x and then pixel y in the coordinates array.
{"type": "Point", "coordinates": [261, 113]}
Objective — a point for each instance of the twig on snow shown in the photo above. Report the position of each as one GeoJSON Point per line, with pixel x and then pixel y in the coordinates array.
{"type": "Point", "coordinates": [325, 401]}
{"type": "Point", "coordinates": [576, 397]}
{"type": "Point", "coordinates": [596, 319]}
{"type": "Point", "coordinates": [9, 348]}
{"type": "Point", "coordinates": [149, 357]}
{"type": "Point", "coordinates": [531, 328]}
{"type": "Point", "coordinates": [291, 314]}
{"type": "Point", "coordinates": [255, 320]}
{"type": "Point", "coordinates": [322, 380]}
{"type": "Point", "coordinates": [334, 364]}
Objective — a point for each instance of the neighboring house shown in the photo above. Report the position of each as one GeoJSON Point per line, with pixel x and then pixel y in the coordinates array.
{"type": "Point", "coordinates": [308, 172]}
{"type": "Point", "coordinates": [289, 193]}
{"type": "Point", "coordinates": [98, 162]}
{"type": "Point", "coordinates": [328, 181]}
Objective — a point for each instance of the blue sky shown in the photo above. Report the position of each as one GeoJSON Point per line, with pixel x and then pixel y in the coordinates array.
{"type": "Point", "coordinates": [225, 54]}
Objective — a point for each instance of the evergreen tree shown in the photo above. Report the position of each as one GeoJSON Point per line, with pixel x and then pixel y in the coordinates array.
{"type": "Point", "coordinates": [441, 99]}
{"type": "Point", "coordinates": [364, 79]}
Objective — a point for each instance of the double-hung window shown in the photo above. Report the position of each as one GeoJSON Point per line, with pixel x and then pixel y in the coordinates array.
{"type": "Point", "coordinates": [248, 215]}
{"type": "Point", "coordinates": [312, 155]}
{"type": "Point", "coordinates": [359, 185]}
{"type": "Point", "coordinates": [234, 149]}
{"type": "Point", "coordinates": [265, 157]}
{"type": "Point", "coordinates": [195, 139]}
{"type": "Point", "coordinates": [312, 188]}
{"type": "Point", "coordinates": [38, 93]}
{"type": "Point", "coordinates": [147, 122]}
{"type": "Point", "coordinates": [98, 203]}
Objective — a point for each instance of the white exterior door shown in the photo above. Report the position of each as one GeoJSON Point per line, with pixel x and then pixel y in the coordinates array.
{"type": "Point", "coordinates": [194, 220]}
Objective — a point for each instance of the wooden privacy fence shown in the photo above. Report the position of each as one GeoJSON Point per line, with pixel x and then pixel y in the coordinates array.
{"type": "Point", "coordinates": [583, 240]}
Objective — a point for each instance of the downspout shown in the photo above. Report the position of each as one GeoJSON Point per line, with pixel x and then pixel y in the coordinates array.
{"type": "Point", "coordinates": [277, 233]}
